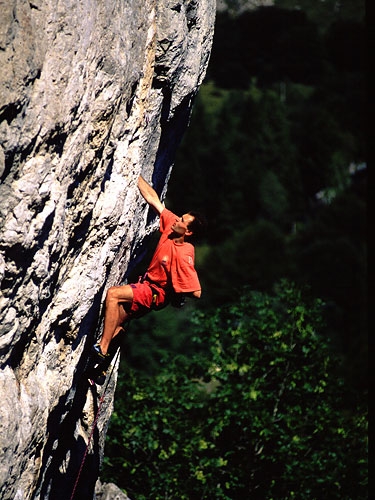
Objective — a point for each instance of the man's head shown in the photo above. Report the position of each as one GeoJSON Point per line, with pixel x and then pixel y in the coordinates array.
{"type": "Point", "coordinates": [198, 225]}
{"type": "Point", "coordinates": [190, 225]}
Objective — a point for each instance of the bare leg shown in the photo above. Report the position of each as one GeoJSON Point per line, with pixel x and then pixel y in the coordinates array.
{"type": "Point", "coordinates": [115, 315]}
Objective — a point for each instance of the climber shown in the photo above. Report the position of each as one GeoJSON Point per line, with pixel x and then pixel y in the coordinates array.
{"type": "Point", "coordinates": [170, 274]}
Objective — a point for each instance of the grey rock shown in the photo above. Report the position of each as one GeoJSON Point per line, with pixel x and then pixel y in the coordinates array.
{"type": "Point", "coordinates": [109, 491]}
{"type": "Point", "coordinates": [92, 94]}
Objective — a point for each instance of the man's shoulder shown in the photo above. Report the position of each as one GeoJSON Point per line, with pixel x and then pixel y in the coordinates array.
{"type": "Point", "coordinates": [167, 213]}
{"type": "Point", "coordinates": [166, 219]}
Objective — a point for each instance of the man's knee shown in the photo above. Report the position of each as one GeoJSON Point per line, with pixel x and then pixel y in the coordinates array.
{"type": "Point", "coordinates": [111, 294]}
{"type": "Point", "coordinates": [119, 294]}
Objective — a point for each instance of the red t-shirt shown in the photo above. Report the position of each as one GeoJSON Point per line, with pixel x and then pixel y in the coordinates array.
{"type": "Point", "coordinates": [173, 263]}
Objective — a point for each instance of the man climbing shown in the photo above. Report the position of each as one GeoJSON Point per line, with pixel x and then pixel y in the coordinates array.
{"type": "Point", "coordinates": [170, 273]}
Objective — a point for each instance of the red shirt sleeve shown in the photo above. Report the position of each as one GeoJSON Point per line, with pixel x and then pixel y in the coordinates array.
{"type": "Point", "coordinates": [167, 219]}
{"type": "Point", "coordinates": [184, 276]}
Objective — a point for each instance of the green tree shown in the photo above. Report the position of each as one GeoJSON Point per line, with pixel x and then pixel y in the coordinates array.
{"type": "Point", "coordinates": [259, 412]}
{"type": "Point", "coordinates": [245, 158]}
{"type": "Point", "coordinates": [330, 253]}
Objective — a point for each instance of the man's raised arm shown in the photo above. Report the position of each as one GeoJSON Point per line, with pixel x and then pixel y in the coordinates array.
{"type": "Point", "coordinates": [150, 195]}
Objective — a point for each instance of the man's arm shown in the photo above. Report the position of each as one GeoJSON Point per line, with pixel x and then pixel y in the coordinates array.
{"type": "Point", "coordinates": [150, 195]}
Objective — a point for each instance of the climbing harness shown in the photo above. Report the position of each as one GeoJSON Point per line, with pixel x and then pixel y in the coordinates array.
{"type": "Point", "coordinates": [101, 401]}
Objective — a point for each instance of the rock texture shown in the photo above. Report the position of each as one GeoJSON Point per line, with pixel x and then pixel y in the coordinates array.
{"type": "Point", "coordinates": [92, 93]}
{"type": "Point", "coordinates": [109, 491]}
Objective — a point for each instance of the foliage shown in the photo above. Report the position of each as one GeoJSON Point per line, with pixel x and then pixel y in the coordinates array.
{"type": "Point", "coordinates": [246, 166]}
{"type": "Point", "coordinates": [259, 412]}
{"type": "Point", "coordinates": [151, 338]}
{"type": "Point", "coordinates": [267, 158]}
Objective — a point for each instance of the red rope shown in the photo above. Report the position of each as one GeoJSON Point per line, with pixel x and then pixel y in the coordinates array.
{"type": "Point", "coordinates": [101, 401]}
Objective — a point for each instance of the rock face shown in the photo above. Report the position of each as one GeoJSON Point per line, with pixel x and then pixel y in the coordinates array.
{"type": "Point", "coordinates": [92, 93]}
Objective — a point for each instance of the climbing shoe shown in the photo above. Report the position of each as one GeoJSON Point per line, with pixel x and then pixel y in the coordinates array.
{"type": "Point", "coordinates": [97, 361]}
{"type": "Point", "coordinates": [96, 350]}
{"type": "Point", "coordinates": [97, 358]}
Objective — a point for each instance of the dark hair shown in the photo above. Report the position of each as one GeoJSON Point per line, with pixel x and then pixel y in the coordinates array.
{"type": "Point", "coordinates": [198, 225]}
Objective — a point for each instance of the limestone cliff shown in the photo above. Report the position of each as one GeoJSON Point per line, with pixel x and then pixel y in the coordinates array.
{"type": "Point", "coordinates": [91, 94]}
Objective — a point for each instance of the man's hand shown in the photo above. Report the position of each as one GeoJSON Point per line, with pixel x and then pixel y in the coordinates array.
{"type": "Point", "coordinates": [150, 195]}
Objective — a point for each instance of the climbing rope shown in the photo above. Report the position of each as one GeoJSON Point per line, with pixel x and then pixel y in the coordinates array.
{"type": "Point", "coordinates": [101, 401]}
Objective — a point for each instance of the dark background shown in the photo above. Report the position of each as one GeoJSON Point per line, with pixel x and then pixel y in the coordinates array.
{"type": "Point", "coordinates": [275, 157]}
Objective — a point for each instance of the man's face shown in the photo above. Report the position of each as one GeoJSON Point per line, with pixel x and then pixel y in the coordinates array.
{"type": "Point", "coordinates": [181, 226]}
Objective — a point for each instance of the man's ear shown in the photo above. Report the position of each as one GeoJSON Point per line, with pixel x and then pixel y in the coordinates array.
{"type": "Point", "coordinates": [188, 232]}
